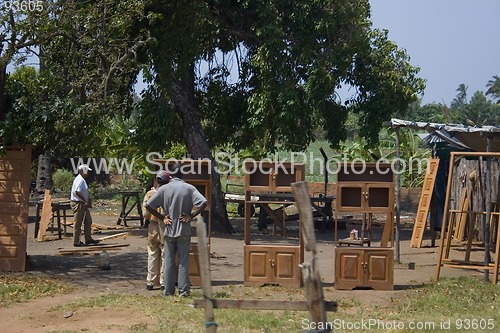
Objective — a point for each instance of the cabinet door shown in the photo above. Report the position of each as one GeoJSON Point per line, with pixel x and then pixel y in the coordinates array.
{"type": "Point", "coordinates": [378, 269]}
{"type": "Point", "coordinates": [258, 265]}
{"type": "Point", "coordinates": [272, 265]}
{"type": "Point", "coordinates": [350, 197]}
{"type": "Point", "coordinates": [285, 262]}
{"type": "Point", "coordinates": [348, 268]}
{"type": "Point", "coordinates": [379, 197]}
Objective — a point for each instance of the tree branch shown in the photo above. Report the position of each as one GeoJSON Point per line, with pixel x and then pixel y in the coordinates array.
{"type": "Point", "coordinates": [132, 51]}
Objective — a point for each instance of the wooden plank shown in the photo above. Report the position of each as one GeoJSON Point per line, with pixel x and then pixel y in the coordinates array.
{"type": "Point", "coordinates": [261, 304]}
{"type": "Point", "coordinates": [303, 204]}
{"type": "Point", "coordinates": [310, 273]}
{"type": "Point", "coordinates": [46, 216]}
{"type": "Point", "coordinates": [91, 248]}
{"type": "Point", "coordinates": [10, 229]}
{"type": "Point", "coordinates": [11, 197]}
{"type": "Point", "coordinates": [466, 266]}
{"type": "Point", "coordinates": [387, 232]}
{"type": "Point", "coordinates": [11, 186]}
{"type": "Point", "coordinates": [113, 236]}
{"type": "Point", "coordinates": [105, 227]}
{"type": "Point", "coordinates": [12, 175]}
{"type": "Point", "coordinates": [206, 280]}
{"type": "Point", "coordinates": [14, 200]}
{"type": "Point", "coordinates": [462, 221]}
{"type": "Point", "coordinates": [424, 203]}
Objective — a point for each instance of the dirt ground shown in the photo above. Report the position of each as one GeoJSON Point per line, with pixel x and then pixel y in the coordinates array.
{"type": "Point", "coordinates": [128, 272]}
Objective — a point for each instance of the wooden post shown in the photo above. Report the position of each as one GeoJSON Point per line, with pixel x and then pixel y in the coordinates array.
{"type": "Point", "coordinates": [310, 273]}
{"type": "Point", "coordinates": [398, 197]}
{"type": "Point", "coordinates": [206, 281]}
{"type": "Point", "coordinates": [46, 216]}
{"type": "Point", "coordinates": [487, 192]}
{"type": "Point", "coordinates": [445, 216]}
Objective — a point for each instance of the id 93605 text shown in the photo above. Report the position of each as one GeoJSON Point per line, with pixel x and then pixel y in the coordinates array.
{"type": "Point", "coordinates": [22, 6]}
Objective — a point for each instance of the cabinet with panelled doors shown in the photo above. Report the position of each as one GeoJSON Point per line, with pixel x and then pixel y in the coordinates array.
{"type": "Point", "coordinates": [364, 267]}
{"type": "Point", "coordinates": [199, 174]}
{"type": "Point", "coordinates": [266, 262]}
{"type": "Point", "coordinates": [366, 188]}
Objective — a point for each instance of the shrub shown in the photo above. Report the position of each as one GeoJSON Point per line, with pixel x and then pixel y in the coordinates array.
{"type": "Point", "coordinates": [63, 180]}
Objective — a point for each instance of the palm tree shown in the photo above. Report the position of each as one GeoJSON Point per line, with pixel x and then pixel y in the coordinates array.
{"type": "Point", "coordinates": [494, 88]}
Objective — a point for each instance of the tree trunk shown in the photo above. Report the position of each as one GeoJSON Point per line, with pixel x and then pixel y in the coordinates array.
{"type": "Point", "coordinates": [3, 99]}
{"type": "Point", "coordinates": [181, 92]}
{"type": "Point", "coordinates": [44, 174]}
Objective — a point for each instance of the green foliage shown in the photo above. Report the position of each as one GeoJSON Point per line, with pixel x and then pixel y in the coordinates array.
{"type": "Point", "coordinates": [411, 151]}
{"type": "Point", "coordinates": [63, 180]}
{"type": "Point", "coordinates": [434, 112]}
{"type": "Point", "coordinates": [494, 88]}
{"type": "Point", "coordinates": [478, 111]}
{"type": "Point", "coordinates": [290, 59]}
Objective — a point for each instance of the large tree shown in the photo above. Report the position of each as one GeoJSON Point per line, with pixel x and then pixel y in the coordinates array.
{"type": "Point", "coordinates": [272, 71]}
{"type": "Point", "coordinates": [88, 64]}
{"type": "Point", "coordinates": [247, 74]}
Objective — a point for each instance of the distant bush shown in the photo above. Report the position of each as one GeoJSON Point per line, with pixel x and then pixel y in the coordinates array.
{"type": "Point", "coordinates": [63, 180]}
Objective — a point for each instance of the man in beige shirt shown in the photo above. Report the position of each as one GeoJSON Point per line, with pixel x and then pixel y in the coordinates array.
{"type": "Point", "coordinates": [155, 237]}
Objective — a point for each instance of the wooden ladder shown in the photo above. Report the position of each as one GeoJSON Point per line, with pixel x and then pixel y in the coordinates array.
{"type": "Point", "coordinates": [425, 203]}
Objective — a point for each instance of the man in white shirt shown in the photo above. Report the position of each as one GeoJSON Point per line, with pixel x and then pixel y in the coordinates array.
{"type": "Point", "coordinates": [80, 203]}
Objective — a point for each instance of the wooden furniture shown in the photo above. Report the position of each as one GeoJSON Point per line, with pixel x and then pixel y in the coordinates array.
{"type": "Point", "coordinates": [15, 170]}
{"type": "Point", "coordinates": [125, 211]}
{"type": "Point", "coordinates": [451, 218]}
{"type": "Point", "coordinates": [199, 174]}
{"type": "Point", "coordinates": [365, 188]}
{"type": "Point", "coordinates": [424, 203]}
{"type": "Point", "coordinates": [364, 267]}
{"type": "Point", "coordinates": [60, 208]}
{"type": "Point", "coordinates": [271, 263]}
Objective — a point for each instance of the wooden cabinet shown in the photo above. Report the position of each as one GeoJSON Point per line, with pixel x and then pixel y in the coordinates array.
{"type": "Point", "coordinates": [364, 267]}
{"type": "Point", "coordinates": [199, 174]}
{"type": "Point", "coordinates": [365, 197]}
{"type": "Point", "coordinates": [366, 188]}
{"type": "Point", "coordinates": [269, 177]}
{"type": "Point", "coordinates": [268, 264]}
{"type": "Point", "coordinates": [193, 266]}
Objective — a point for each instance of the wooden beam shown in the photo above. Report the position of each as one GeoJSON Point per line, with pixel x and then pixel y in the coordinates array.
{"type": "Point", "coordinates": [46, 216]}
{"type": "Point", "coordinates": [206, 280]}
{"type": "Point", "coordinates": [113, 236]}
{"type": "Point", "coordinates": [91, 248]}
{"type": "Point", "coordinates": [261, 304]}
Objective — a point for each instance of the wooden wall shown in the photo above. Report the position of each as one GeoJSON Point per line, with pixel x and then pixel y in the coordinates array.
{"type": "Point", "coordinates": [14, 204]}
{"type": "Point", "coordinates": [479, 192]}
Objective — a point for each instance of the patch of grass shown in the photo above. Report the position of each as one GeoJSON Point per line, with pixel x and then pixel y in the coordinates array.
{"type": "Point", "coordinates": [455, 299]}
{"type": "Point", "coordinates": [17, 288]}
{"type": "Point", "coordinates": [452, 299]}
{"type": "Point", "coordinates": [466, 304]}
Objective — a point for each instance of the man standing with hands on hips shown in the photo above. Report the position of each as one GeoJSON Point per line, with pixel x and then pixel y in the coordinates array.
{"type": "Point", "coordinates": [177, 199]}
{"type": "Point", "coordinates": [80, 203]}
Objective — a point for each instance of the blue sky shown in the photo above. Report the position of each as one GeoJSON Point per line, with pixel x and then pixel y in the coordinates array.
{"type": "Point", "coordinates": [452, 41]}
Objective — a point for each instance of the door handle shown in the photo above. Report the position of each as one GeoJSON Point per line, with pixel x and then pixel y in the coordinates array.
{"type": "Point", "coordinates": [272, 263]}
